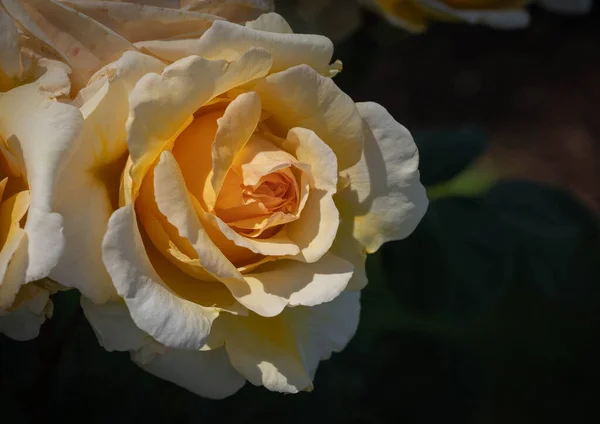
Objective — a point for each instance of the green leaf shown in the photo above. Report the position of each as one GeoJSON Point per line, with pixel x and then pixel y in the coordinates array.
{"type": "Point", "coordinates": [444, 154]}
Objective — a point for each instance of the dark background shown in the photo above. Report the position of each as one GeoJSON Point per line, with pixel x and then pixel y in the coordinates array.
{"type": "Point", "coordinates": [488, 313]}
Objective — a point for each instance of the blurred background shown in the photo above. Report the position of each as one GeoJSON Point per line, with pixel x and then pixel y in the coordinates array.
{"type": "Point", "coordinates": [488, 313]}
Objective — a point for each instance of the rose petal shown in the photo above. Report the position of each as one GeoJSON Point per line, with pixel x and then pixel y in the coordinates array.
{"type": "Point", "coordinates": [385, 196]}
{"type": "Point", "coordinates": [24, 322]}
{"type": "Point", "coordinates": [300, 283]}
{"type": "Point", "coordinates": [175, 204]}
{"type": "Point", "coordinates": [347, 247]}
{"type": "Point", "coordinates": [172, 321]}
{"type": "Point", "coordinates": [314, 231]}
{"type": "Point", "coordinates": [173, 201]}
{"type": "Point", "coordinates": [206, 373]}
{"type": "Point", "coordinates": [137, 22]}
{"type": "Point", "coordinates": [299, 97]}
{"type": "Point", "coordinates": [235, 129]}
{"type": "Point", "coordinates": [10, 67]}
{"type": "Point", "coordinates": [228, 41]}
{"type": "Point", "coordinates": [87, 191]}
{"type": "Point", "coordinates": [85, 44]}
{"type": "Point", "coordinates": [259, 158]}
{"type": "Point", "coordinates": [270, 22]}
{"type": "Point", "coordinates": [54, 77]}
{"type": "Point", "coordinates": [206, 293]}
{"type": "Point", "coordinates": [162, 105]}
{"type": "Point", "coordinates": [13, 247]}
{"type": "Point", "coordinates": [192, 152]}
{"type": "Point", "coordinates": [43, 148]}
{"type": "Point", "coordinates": [238, 11]}
{"type": "Point", "coordinates": [308, 148]}
{"type": "Point", "coordinates": [277, 245]}
{"type": "Point", "coordinates": [283, 353]}
{"type": "Point", "coordinates": [114, 326]}
{"type": "Point", "coordinates": [279, 284]}
{"type": "Point", "coordinates": [169, 244]}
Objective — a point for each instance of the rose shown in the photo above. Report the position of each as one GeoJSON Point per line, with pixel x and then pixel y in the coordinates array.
{"type": "Point", "coordinates": [87, 35]}
{"type": "Point", "coordinates": [415, 15]}
{"type": "Point", "coordinates": [162, 19]}
{"type": "Point", "coordinates": [218, 209]}
{"type": "Point", "coordinates": [141, 22]}
{"type": "Point", "coordinates": [36, 133]}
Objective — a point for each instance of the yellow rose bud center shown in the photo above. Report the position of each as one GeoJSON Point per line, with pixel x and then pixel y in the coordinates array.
{"type": "Point", "coordinates": [264, 188]}
{"type": "Point", "coordinates": [261, 191]}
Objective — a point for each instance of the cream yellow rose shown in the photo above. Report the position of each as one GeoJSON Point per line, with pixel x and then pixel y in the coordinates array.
{"type": "Point", "coordinates": [416, 15]}
{"type": "Point", "coordinates": [221, 202]}
{"type": "Point", "coordinates": [88, 34]}
{"type": "Point", "coordinates": [37, 134]}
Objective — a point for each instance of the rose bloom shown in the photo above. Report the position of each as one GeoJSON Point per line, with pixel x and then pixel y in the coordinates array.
{"type": "Point", "coordinates": [415, 15]}
{"type": "Point", "coordinates": [86, 35]}
{"type": "Point", "coordinates": [36, 136]}
{"type": "Point", "coordinates": [221, 201]}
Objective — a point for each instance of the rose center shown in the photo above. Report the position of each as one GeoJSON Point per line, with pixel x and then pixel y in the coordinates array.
{"type": "Point", "coordinates": [263, 189]}
{"type": "Point", "coordinates": [275, 192]}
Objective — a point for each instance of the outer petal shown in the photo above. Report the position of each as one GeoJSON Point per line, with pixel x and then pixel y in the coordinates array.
{"type": "Point", "coordinates": [283, 353]}
{"type": "Point", "coordinates": [347, 247]}
{"type": "Point", "coordinates": [236, 127]}
{"type": "Point", "coordinates": [137, 22]}
{"type": "Point", "coordinates": [385, 196]}
{"type": "Point", "coordinates": [162, 106]}
{"type": "Point", "coordinates": [299, 97]}
{"type": "Point", "coordinates": [87, 190]}
{"type": "Point", "coordinates": [10, 67]}
{"type": "Point", "coordinates": [205, 373]}
{"type": "Point", "coordinates": [43, 134]}
{"type": "Point", "coordinates": [228, 41]}
{"type": "Point", "coordinates": [501, 18]}
{"type": "Point", "coordinates": [317, 226]}
{"type": "Point", "coordinates": [294, 283]}
{"type": "Point", "coordinates": [270, 22]}
{"type": "Point", "coordinates": [114, 326]}
{"type": "Point", "coordinates": [324, 329]}
{"type": "Point", "coordinates": [85, 44]}
{"type": "Point", "coordinates": [13, 247]}
{"type": "Point", "coordinates": [172, 321]}
{"type": "Point", "coordinates": [211, 294]}
{"type": "Point", "coordinates": [568, 6]}
{"type": "Point", "coordinates": [238, 11]}
{"type": "Point", "coordinates": [24, 322]}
